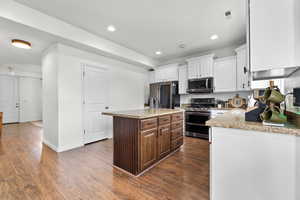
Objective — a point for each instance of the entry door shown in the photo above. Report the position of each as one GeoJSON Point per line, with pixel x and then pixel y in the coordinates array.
{"type": "Point", "coordinates": [9, 99]}
{"type": "Point", "coordinates": [95, 102]}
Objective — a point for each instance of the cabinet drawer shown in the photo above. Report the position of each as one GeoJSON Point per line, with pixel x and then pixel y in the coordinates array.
{"type": "Point", "coordinates": [164, 120]}
{"type": "Point", "coordinates": [176, 133]}
{"type": "Point", "coordinates": [177, 143]}
{"type": "Point", "coordinates": [148, 123]}
{"type": "Point", "coordinates": [176, 125]}
{"type": "Point", "coordinates": [177, 117]}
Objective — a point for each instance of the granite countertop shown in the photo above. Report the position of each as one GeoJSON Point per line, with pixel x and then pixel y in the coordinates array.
{"type": "Point", "coordinates": [143, 113]}
{"type": "Point", "coordinates": [236, 119]}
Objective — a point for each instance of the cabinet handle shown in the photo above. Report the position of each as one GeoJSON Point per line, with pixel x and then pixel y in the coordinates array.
{"type": "Point", "coordinates": [243, 85]}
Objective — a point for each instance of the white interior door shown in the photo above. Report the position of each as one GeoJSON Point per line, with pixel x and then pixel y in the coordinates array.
{"type": "Point", "coordinates": [9, 104]}
{"type": "Point", "coordinates": [95, 87]}
{"type": "Point", "coordinates": [30, 97]}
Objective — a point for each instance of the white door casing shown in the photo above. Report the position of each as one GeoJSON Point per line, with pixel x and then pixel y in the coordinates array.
{"type": "Point", "coordinates": [9, 100]}
{"type": "Point", "coordinates": [95, 101]}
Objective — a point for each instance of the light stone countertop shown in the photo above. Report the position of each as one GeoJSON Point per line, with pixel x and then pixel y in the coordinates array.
{"type": "Point", "coordinates": [143, 113]}
{"type": "Point", "coordinates": [236, 119]}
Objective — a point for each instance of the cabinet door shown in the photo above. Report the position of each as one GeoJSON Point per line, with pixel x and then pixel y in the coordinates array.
{"type": "Point", "coordinates": [148, 148]}
{"type": "Point", "coordinates": [225, 74]}
{"type": "Point", "coordinates": [183, 79]}
{"type": "Point", "coordinates": [207, 66]}
{"type": "Point", "coordinates": [167, 73]}
{"type": "Point", "coordinates": [272, 34]}
{"type": "Point", "coordinates": [172, 73]}
{"type": "Point", "coordinates": [152, 77]}
{"type": "Point", "coordinates": [243, 72]}
{"type": "Point", "coordinates": [159, 75]}
{"type": "Point", "coordinates": [164, 141]}
{"type": "Point", "coordinates": [193, 70]}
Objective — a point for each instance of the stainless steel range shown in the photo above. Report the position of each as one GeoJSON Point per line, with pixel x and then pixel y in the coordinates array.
{"type": "Point", "coordinates": [196, 116]}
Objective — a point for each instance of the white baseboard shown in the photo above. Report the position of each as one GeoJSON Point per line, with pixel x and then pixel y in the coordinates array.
{"type": "Point", "coordinates": [69, 147]}
{"type": "Point", "coordinates": [51, 146]}
{"type": "Point", "coordinates": [62, 148]}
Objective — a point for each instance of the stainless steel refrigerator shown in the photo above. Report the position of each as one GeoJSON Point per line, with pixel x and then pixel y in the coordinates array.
{"type": "Point", "coordinates": [165, 94]}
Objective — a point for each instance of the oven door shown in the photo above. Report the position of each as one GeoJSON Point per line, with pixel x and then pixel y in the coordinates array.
{"type": "Point", "coordinates": [195, 124]}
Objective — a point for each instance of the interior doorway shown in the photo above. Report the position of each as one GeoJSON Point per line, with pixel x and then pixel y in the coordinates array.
{"type": "Point", "coordinates": [20, 98]}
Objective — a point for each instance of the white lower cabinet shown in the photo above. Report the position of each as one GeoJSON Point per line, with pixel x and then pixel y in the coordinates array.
{"type": "Point", "coordinates": [183, 79]}
{"type": "Point", "coordinates": [225, 74]}
{"type": "Point", "coordinates": [253, 165]}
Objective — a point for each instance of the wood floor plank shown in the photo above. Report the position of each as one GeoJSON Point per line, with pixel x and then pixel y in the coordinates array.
{"type": "Point", "coordinates": [31, 170]}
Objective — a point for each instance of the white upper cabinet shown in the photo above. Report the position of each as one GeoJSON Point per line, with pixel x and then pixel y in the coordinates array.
{"type": "Point", "coordinates": [193, 69]}
{"type": "Point", "coordinates": [297, 32]}
{"type": "Point", "coordinates": [243, 78]}
{"type": "Point", "coordinates": [207, 66]}
{"type": "Point", "coordinates": [273, 33]}
{"type": "Point", "coordinates": [200, 67]}
{"type": "Point", "coordinates": [183, 79]}
{"type": "Point", "coordinates": [166, 73]}
{"type": "Point", "coordinates": [225, 74]}
{"type": "Point", "coordinates": [152, 77]}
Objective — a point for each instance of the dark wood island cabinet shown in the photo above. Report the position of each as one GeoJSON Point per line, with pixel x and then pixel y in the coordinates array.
{"type": "Point", "coordinates": [144, 137]}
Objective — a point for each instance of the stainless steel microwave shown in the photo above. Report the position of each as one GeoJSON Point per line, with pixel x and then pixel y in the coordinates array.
{"type": "Point", "coordinates": [202, 85]}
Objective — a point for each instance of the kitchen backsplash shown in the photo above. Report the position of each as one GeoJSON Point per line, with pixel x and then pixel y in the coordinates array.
{"type": "Point", "coordinates": [185, 99]}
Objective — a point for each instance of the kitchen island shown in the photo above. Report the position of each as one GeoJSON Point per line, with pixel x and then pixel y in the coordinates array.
{"type": "Point", "coordinates": [144, 137]}
{"type": "Point", "coordinates": [252, 161]}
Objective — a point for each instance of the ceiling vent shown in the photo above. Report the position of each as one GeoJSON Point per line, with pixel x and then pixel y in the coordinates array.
{"type": "Point", "coordinates": [228, 14]}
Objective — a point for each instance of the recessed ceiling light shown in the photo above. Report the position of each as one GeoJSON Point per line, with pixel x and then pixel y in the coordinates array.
{"type": "Point", "coordinates": [21, 44]}
{"type": "Point", "coordinates": [214, 37]}
{"type": "Point", "coordinates": [158, 52]}
{"type": "Point", "coordinates": [111, 28]}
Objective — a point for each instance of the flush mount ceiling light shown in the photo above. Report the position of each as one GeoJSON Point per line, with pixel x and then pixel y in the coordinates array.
{"type": "Point", "coordinates": [214, 37]}
{"type": "Point", "coordinates": [21, 44]}
{"type": "Point", "coordinates": [158, 52]}
{"type": "Point", "coordinates": [111, 28]}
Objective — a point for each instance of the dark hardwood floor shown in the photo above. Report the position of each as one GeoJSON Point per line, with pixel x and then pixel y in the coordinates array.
{"type": "Point", "coordinates": [31, 170]}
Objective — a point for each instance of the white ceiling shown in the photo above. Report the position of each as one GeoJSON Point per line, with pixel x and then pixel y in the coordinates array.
{"type": "Point", "coordinates": [12, 55]}
{"type": "Point", "coordinates": [150, 25]}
